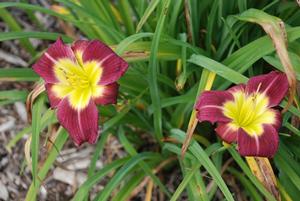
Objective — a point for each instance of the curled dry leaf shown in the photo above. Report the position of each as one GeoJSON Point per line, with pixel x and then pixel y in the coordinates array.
{"type": "Point", "coordinates": [38, 89]}
{"type": "Point", "coordinates": [27, 152]}
{"type": "Point", "coordinates": [52, 134]}
{"type": "Point", "coordinates": [187, 14]}
{"type": "Point", "coordinates": [189, 133]}
{"type": "Point", "coordinates": [149, 190]}
{"type": "Point", "coordinates": [136, 55]}
{"type": "Point", "coordinates": [262, 169]}
{"type": "Point", "coordinates": [275, 28]}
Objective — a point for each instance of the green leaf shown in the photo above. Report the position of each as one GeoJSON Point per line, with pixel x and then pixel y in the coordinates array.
{"type": "Point", "coordinates": [14, 95]}
{"type": "Point", "coordinates": [218, 68]}
{"type": "Point", "coordinates": [117, 178]}
{"type": "Point", "coordinates": [31, 34]}
{"type": "Point", "coordinates": [129, 187]}
{"type": "Point", "coordinates": [36, 129]}
{"type": "Point", "coordinates": [54, 152]}
{"type": "Point", "coordinates": [187, 178]}
{"type": "Point", "coordinates": [18, 74]}
{"type": "Point", "coordinates": [129, 148]}
{"type": "Point", "coordinates": [14, 26]}
{"type": "Point", "coordinates": [247, 184]}
{"type": "Point", "coordinates": [286, 164]}
{"type": "Point", "coordinates": [124, 44]}
{"type": "Point", "coordinates": [90, 182]}
{"type": "Point", "coordinates": [202, 157]}
{"type": "Point", "coordinates": [153, 71]}
{"type": "Point", "coordinates": [127, 16]}
{"type": "Point", "coordinates": [151, 7]}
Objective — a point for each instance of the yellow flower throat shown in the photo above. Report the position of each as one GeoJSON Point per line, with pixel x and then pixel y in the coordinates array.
{"type": "Point", "coordinates": [77, 81]}
{"type": "Point", "coordinates": [249, 112]}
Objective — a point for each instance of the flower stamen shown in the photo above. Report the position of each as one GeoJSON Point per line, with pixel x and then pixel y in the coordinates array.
{"type": "Point", "coordinates": [249, 112]}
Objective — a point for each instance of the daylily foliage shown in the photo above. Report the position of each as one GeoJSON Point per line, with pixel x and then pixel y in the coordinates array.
{"type": "Point", "coordinates": [77, 78]}
{"type": "Point", "coordinates": [244, 113]}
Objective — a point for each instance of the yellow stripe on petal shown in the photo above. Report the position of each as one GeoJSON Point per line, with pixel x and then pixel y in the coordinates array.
{"type": "Point", "coordinates": [78, 55]}
{"type": "Point", "coordinates": [61, 90]}
{"type": "Point", "coordinates": [93, 71]}
{"type": "Point", "coordinates": [79, 99]}
{"type": "Point", "coordinates": [97, 91]}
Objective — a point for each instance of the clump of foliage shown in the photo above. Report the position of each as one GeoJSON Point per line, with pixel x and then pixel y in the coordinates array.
{"type": "Point", "coordinates": [176, 49]}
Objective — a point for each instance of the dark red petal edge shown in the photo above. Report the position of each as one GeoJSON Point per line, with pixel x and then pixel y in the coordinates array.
{"type": "Point", "coordinates": [53, 99]}
{"type": "Point", "coordinates": [265, 145]}
{"type": "Point", "coordinates": [112, 65]}
{"type": "Point", "coordinates": [209, 106]}
{"type": "Point", "coordinates": [80, 45]}
{"type": "Point", "coordinates": [45, 65]}
{"type": "Point", "coordinates": [82, 125]}
{"type": "Point", "coordinates": [109, 96]}
{"type": "Point", "coordinates": [274, 85]}
{"type": "Point", "coordinates": [226, 133]}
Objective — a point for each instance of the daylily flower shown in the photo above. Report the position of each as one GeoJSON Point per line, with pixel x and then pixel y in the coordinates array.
{"type": "Point", "coordinates": [77, 78]}
{"type": "Point", "coordinates": [244, 113]}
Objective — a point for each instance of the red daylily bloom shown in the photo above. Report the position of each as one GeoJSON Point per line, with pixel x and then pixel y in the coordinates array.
{"type": "Point", "coordinates": [244, 113]}
{"type": "Point", "coordinates": [77, 78]}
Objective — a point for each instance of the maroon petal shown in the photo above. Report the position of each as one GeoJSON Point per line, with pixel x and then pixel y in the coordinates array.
{"type": "Point", "coordinates": [80, 45]}
{"type": "Point", "coordinates": [265, 145]}
{"type": "Point", "coordinates": [210, 106]}
{"type": "Point", "coordinates": [45, 65]}
{"type": "Point", "coordinates": [113, 65]}
{"type": "Point", "coordinates": [53, 99]}
{"type": "Point", "coordinates": [274, 85]}
{"type": "Point", "coordinates": [239, 87]}
{"type": "Point", "coordinates": [109, 94]}
{"type": "Point", "coordinates": [82, 125]}
{"type": "Point", "coordinates": [227, 132]}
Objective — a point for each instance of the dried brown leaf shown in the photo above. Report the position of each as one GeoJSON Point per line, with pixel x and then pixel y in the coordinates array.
{"type": "Point", "coordinates": [38, 89]}
{"type": "Point", "coordinates": [263, 171]}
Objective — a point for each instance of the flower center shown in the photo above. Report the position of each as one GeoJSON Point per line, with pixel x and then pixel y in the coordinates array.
{"type": "Point", "coordinates": [77, 81]}
{"type": "Point", "coordinates": [249, 112]}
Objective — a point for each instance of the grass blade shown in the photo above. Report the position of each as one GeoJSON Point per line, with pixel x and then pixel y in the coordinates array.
{"type": "Point", "coordinates": [151, 7]}
{"type": "Point", "coordinates": [89, 183]}
{"type": "Point", "coordinates": [36, 129]}
{"type": "Point", "coordinates": [54, 152]}
{"type": "Point", "coordinates": [153, 71]}
{"type": "Point", "coordinates": [202, 157]}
